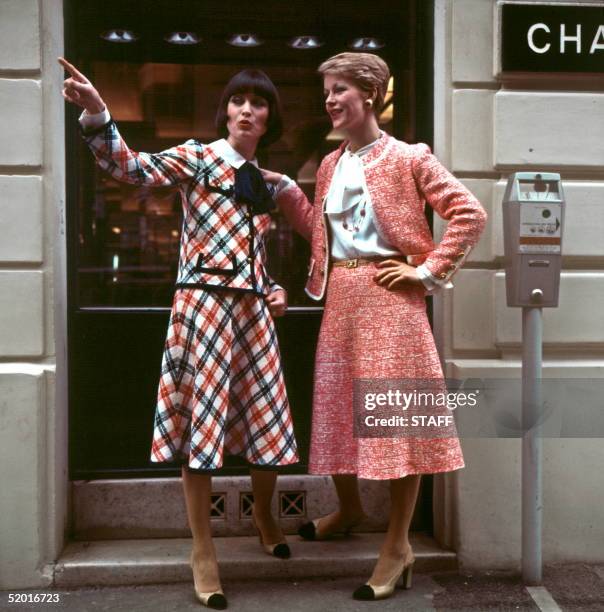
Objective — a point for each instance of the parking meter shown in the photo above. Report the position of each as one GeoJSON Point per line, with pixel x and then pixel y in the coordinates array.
{"type": "Point", "coordinates": [533, 220]}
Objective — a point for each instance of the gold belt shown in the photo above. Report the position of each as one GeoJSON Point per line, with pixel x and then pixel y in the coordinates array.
{"type": "Point", "coordinates": [355, 263]}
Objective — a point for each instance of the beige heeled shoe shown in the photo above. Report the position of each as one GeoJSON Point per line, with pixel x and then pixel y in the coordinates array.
{"type": "Point", "coordinates": [212, 599]}
{"type": "Point", "coordinates": [371, 592]}
{"type": "Point", "coordinates": [215, 600]}
{"type": "Point", "coordinates": [310, 531]}
{"type": "Point", "coordinates": [280, 550]}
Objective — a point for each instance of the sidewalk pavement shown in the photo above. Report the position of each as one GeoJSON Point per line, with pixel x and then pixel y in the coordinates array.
{"type": "Point", "coordinates": [573, 587]}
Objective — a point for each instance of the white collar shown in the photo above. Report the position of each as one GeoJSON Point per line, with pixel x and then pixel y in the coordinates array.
{"type": "Point", "coordinates": [233, 158]}
{"type": "Point", "coordinates": [365, 149]}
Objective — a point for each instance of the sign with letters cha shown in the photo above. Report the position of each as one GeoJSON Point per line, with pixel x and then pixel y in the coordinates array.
{"type": "Point", "coordinates": [552, 38]}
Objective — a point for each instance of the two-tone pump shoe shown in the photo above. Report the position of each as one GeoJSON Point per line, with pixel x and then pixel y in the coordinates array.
{"type": "Point", "coordinates": [310, 531]}
{"type": "Point", "coordinates": [280, 549]}
{"type": "Point", "coordinates": [212, 599]}
{"type": "Point", "coordinates": [371, 592]}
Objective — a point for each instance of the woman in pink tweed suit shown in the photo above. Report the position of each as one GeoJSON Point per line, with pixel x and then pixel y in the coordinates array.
{"type": "Point", "coordinates": [374, 260]}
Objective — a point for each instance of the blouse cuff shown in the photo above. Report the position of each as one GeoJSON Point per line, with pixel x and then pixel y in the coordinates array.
{"type": "Point", "coordinates": [431, 283]}
{"type": "Point", "coordinates": [91, 121]}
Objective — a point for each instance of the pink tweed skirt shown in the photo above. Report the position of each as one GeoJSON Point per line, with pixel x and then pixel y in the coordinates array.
{"type": "Point", "coordinates": [371, 332]}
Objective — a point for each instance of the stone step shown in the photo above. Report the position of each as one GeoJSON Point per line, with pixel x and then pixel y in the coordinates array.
{"type": "Point", "coordinates": [133, 509]}
{"type": "Point", "coordinates": [153, 561]}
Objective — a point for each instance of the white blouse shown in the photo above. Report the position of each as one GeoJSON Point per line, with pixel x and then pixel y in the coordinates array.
{"type": "Point", "coordinates": [350, 213]}
{"type": "Point", "coordinates": [351, 217]}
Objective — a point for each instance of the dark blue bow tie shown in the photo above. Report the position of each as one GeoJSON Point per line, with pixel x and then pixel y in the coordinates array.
{"type": "Point", "coordinates": [251, 189]}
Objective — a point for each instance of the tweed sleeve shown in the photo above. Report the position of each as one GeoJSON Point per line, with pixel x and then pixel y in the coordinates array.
{"type": "Point", "coordinates": [169, 167]}
{"type": "Point", "coordinates": [296, 208]}
{"type": "Point", "coordinates": [453, 202]}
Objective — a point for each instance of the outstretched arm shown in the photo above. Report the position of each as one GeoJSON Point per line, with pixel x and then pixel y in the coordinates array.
{"type": "Point", "coordinates": [113, 154]}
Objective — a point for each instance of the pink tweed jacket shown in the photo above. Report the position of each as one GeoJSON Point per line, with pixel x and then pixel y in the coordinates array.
{"type": "Point", "coordinates": [400, 178]}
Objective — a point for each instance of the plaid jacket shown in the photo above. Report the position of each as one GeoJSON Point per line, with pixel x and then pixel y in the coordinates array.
{"type": "Point", "coordinates": [222, 243]}
{"type": "Point", "coordinates": [400, 178]}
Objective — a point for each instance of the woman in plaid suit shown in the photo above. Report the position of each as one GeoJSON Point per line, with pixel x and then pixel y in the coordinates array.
{"type": "Point", "coordinates": [221, 388]}
{"type": "Point", "coordinates": [374, 260]}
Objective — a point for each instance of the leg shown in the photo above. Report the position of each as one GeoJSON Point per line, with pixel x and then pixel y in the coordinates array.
{"type": "Point", "coordinates": [198, 489]}
{"type": "Point", "coordinates": [403, 496]}
{"type": "Point", "coordinates": [349, 514]}
{"type": "Point", "coordinates": [350, 511]}
{"type": "Point", "coordinates": [396, 552]}
{"type": "Point", "coordinates": [263, 487]}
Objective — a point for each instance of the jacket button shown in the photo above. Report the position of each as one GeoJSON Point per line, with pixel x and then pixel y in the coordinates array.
{"type": "Point", "coordinates": [443, 275]}
{"type": "Point", "coordinates": [249, 260]}
{"type": "Point", "coordinates": [248, 238]}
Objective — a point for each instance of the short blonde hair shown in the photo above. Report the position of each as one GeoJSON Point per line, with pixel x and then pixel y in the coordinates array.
{"type": "Point", "coordinates": [367, 71]}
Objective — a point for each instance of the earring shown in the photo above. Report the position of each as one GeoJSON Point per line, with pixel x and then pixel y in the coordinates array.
{"type": "Point", "coordinates": [369, 103]}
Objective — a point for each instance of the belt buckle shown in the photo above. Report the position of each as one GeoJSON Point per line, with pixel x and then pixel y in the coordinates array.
{"type": "Point", "coordinates": [352, 263]}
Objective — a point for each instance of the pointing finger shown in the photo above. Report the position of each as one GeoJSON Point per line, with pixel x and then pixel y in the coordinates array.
{"type": "Point", "coordinates": [75, 73]}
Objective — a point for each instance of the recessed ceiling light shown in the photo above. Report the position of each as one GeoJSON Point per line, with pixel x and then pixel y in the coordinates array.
{"type": "Point", "coordinates": [305, 42]}
{"type": "Point", "coordinates": [182, 38]}
{"type": "Point", "coordinates": [244, 40]}
{"type": "Point", "coordinates": [366, 44]}
{"type": "Point", "coordinates": [119, 36]}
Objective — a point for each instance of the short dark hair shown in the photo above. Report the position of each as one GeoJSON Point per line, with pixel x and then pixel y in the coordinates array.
{"type": "Point", "coordinates": [254, 81]}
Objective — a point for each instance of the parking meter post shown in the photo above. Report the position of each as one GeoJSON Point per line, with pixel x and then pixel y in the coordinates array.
{"type": "Point", "coordinates": [532, 493]}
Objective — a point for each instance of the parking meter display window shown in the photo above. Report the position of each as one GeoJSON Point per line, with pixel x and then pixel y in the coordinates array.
{"type": "Point", "coordinates": [540, 228]}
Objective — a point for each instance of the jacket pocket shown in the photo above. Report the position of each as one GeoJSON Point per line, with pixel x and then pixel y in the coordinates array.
{"type": "Point", "coordinates": [207, 267]}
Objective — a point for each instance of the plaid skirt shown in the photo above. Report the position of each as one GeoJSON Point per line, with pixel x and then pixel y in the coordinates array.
{"type": "Point", "coordinates": [369, 332]}
{"type": "Point", "coordinates": [221, 388]}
